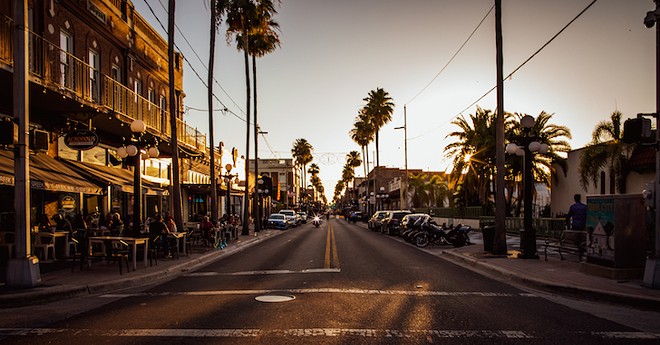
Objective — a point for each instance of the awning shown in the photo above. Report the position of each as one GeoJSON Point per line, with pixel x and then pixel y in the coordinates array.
{"type": "Point", "coordinates": [47, 173]}
{"type": "Point", "coordinates": [109, 176]}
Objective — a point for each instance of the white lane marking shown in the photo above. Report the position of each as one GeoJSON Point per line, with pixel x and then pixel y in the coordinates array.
{"type": "Point", "coordinates": [309, 332]}
{"type": "Point", "coordinates": [326, 290]}
{"type": "Point", "coordinates": [263, 272]}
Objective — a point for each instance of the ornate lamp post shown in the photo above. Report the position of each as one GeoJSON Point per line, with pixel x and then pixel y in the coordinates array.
{"type": "Point", "coordinates": [228, 176]}
{"type": "Point", "coordinates": [146, 148]}
{"type": "Point", "coordinates": [526, 145]}
{"type": "Point", "coordinates": [382, 195]}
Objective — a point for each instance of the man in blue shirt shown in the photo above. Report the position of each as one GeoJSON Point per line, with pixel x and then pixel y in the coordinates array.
{"type": "Point", "coordinates": [577, 214]}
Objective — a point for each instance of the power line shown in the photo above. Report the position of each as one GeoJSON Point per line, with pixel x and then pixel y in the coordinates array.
{"type": "Point", "coordinates": [453, 56]}
{"type": "Point", "coordinates": [191, 66]}
{"type": "Point", "coordinates": [512, 73]}
{"type": "Point", "coordinates": [203, 63]}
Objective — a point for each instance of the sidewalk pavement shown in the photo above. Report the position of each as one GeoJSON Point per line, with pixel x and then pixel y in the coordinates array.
{"type": "Point", "coordinates": [58, 282]}
{"type": "Point", "coordinates": [555, 276]}
{"type": "Point", "coordinates": [563, 277]}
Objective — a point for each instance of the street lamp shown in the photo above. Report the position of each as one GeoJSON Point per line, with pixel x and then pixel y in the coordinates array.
{"type": "Point", "coordinates": [652, 269]}
{"type": "Point", "coordinates": [525, 145]}
{"type": "Point", "coordinates": [382, 195]}
{"type": "Point", "coordinates": [146, 148]}
{"type": "Point", "coordinates": [228, 176]}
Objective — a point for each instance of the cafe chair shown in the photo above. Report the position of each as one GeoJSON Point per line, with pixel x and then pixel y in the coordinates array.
{"type": "Point", "coordinates": [154, 248]}
{"type": "Point", "coordinates": [45, 241]}
{"type": "Point", "coordinates": [120, 252]}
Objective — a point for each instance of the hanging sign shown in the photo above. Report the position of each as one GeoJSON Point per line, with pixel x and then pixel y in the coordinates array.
{"type": "Point", "coordinates": [67, 203]}
{"type": "Point", "coordinates": [81, 139]}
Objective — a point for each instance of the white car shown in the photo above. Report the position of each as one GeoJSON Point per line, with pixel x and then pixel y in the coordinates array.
{"type": "Point", "coordinates": [291, 216]}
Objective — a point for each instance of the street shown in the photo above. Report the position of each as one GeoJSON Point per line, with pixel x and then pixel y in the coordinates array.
{"type": "Point", "coordinates": [337, 284]}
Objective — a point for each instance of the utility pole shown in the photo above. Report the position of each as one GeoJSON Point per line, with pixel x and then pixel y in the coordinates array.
{"type": "Point", "coordinates": [23, 270]}
{"type": "Point", "coordinates": [499, 243]}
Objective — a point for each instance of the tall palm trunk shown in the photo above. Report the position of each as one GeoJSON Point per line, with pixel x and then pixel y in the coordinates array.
{"type": "Point", "coordinates": [257, 197]}
{"type": "Point", "coordinates": [246, 195]}
{"type": "Point", "coordinates": [176, 185]}
{"type": "Point", "coordinates": [214, 182]}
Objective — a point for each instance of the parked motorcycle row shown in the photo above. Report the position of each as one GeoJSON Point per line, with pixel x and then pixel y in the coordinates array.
{"type": "Point", "coordinates": [419, 229]}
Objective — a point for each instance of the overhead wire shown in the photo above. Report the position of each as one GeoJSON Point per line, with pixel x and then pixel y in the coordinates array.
{"type": "Point", "coordinates": [192, 67]}
{"type": "Point", "coordinates": [453, 56]}
{"type": "Point", "coordinates": [510, 74]}
{"type": "Point", "coordinates": [203, 63]}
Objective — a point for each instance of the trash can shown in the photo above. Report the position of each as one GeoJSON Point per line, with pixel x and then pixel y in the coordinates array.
{"type": "Point", "coordinates": [488, 233]}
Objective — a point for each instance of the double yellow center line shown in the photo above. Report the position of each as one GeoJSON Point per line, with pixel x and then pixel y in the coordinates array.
{"type": "Point", "coordinates": [331, 257]}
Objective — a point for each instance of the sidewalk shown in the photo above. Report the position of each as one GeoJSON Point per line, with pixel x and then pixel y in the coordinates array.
{"type": "Point", "coordinates": [59, 282]}
{"type": "Point", "coordinates": [555, 276]}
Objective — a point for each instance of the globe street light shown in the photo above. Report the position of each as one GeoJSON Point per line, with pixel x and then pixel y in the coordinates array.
{"type": "Point", "coordinates": [146, 148]}
{"type": "Point", "coordinates": [382, 195]}
{"type": "Point", "coordinates": [525, 145]}
{"type": "Point", "coordinates": [228, 176]}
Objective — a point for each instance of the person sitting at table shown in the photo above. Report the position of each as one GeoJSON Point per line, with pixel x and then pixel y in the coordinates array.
{"type": "Point", "coordinates": [158, 232]}
{"type": "Point", "coordinates": [61, 223]}
{"type": "Point", "coordinates": [208, 231]}
{"type": "Point", "coordinates": [44, 223]}
{"type": "Point", "coordinates": [171, 225]}
{"type": "Point", "coordinates": [116, 226]}
{"type": "Point", "coordinates": [79, 222]}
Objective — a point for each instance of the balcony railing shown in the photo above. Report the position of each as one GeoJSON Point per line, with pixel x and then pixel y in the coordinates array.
{"type": "Point", "coordinates": [62, 71]}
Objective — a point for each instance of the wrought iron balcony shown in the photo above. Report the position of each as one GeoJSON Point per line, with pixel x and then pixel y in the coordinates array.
{"type": "Point", "coordinates": [63, 72]}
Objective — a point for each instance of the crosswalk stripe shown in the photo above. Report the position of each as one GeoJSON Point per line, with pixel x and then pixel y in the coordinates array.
{"type": "Point", "coordinates": [308, 332]}
{"type": "Point", "coordinates": [324, 290]}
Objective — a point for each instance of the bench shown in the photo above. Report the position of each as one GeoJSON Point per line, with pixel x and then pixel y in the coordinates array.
{"type": "Point", "coordinates": [570, 241]}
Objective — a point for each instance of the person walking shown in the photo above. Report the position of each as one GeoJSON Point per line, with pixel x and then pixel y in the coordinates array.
{"type": "Point", "coordinates": [577, 214]}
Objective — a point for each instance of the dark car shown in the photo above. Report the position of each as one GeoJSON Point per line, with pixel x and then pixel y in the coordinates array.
{"type": "Point", "coordinates": [356, 216]}
{"type": "Point", "coordinates": [374, 221]}
{"type": "Point", "coordinates": [391, 224]}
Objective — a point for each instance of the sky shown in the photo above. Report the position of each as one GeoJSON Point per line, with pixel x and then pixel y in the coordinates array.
{"type": "Point", "coordinates": [333, 52]}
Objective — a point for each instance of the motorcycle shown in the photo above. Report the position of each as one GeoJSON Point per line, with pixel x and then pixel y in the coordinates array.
{"type": "Point", "coordinates": [316, 221]}
{"type": "Point", "coordinates": [434, 234]}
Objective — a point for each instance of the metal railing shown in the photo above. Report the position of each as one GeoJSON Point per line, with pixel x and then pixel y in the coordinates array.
{"type": "Point", "coordinates": [59, 70]}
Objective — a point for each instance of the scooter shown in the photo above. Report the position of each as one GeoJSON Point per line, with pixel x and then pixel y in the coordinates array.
{"type": "Point", "coordinates": [316, 221]}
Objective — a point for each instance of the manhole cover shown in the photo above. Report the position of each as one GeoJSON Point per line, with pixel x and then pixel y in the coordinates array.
{"type": "Point", "coordinates": [275, 298]}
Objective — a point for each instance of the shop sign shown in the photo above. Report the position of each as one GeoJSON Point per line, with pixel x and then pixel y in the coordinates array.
{"type": "Point", "coordinates": [81, 139]}
{"type": "Point", "coordinates": [67, 203]}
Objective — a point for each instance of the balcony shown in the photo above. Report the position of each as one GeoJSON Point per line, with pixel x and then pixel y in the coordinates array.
{"type": "Point", "coordinates": [61, 83]}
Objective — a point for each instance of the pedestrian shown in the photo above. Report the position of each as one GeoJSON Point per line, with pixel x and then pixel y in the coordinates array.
{"type": "Point", "coordinates": [208, 231]}
{"type": "Point", "coordinates": [577, 214]}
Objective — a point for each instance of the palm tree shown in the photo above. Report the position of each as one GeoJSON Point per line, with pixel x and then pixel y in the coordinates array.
{"type": "Point", "coordinates": [302, 153]}
{"type": "Point", "coordinates": [379, 109]}
{"type": "Point", "coordinates": [606, 151]}
{"type": "Point", "coordinates": [242, 19]}
{"type": "Point", "coordinates": [314, 180]}
{"type": "Point", "coordinates": [262, 39]}
{"type": "Point", "coordinates": [473, 152]}
{"type": "Point", "coordinates": [362, 134]}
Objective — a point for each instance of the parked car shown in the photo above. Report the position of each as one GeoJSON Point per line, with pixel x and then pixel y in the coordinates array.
{"type": "Point", "coordinates": [303, 216]}
{"type": "Point", "coordinates": [277, 221]}
{"type": "Point", "coordinates": [357, 216]}
{"type": "Point", "coordinates": [391, 223]}
{"type": "Point", "coordinates": [374, 221]}
{"type": "Point", "coordinates": [410, 219]}
{"type": "Point", "coordinates": [292, 217]}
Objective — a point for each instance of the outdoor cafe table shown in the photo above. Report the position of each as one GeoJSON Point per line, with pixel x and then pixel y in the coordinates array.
{"type": "Point", "coordinates": [132, 241]}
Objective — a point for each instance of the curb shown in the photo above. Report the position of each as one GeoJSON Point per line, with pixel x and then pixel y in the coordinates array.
{"type": "Point", "coordinates": [45, 294]}
{"type": "Point", "coordinates": [501, 274]}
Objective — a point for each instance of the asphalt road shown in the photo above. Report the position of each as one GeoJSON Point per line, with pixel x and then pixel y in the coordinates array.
{"type": "Point", "coordinates": [337, 284]}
